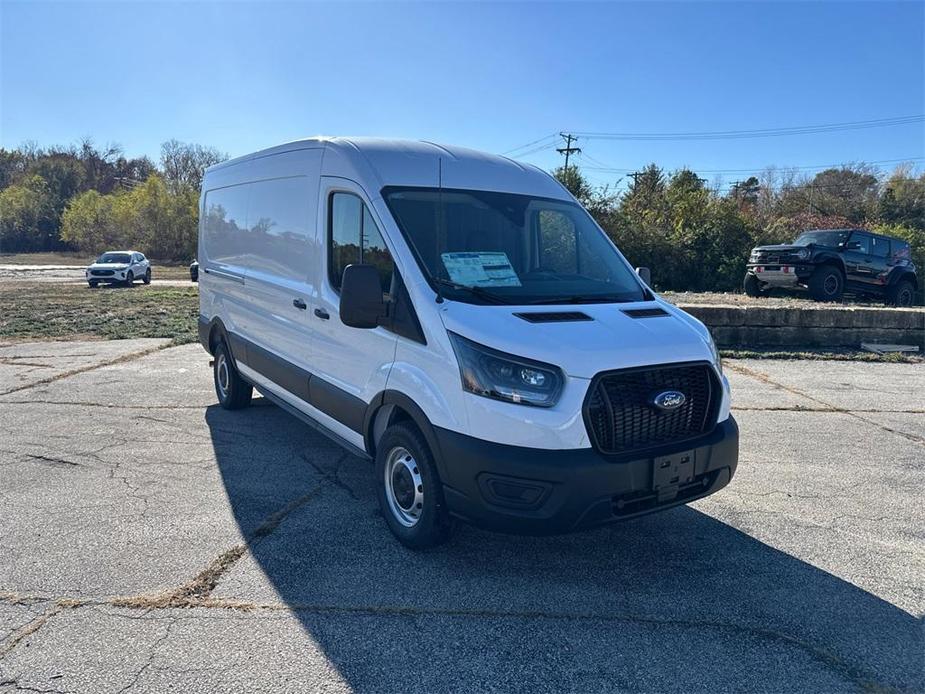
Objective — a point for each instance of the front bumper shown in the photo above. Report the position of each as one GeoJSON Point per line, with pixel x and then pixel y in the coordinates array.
{"type": "Point", "coordinates": [539, 492]}
{"type": "Point", "coordinates": [780, 275]}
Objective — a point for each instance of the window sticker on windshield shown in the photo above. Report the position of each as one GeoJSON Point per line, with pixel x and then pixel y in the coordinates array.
{"type": "Point", "coordinates": [481, 269]}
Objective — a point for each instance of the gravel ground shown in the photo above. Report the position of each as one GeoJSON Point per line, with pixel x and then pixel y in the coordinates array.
{"type": "Point", "coordinates": [153, 542]}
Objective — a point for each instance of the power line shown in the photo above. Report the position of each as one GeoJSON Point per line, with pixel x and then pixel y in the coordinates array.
{"type": "Point", "coordinates": [783, 169]}
{"type": "Point", "coordinates": [551, 136]}
{"type": "Point", "coordinates": [766, 132]}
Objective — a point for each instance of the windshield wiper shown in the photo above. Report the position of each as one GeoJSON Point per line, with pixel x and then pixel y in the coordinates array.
{"type": "Point", "coordinates": [474, 290]}
{"type": "Point", "coordinates": [582, 299]}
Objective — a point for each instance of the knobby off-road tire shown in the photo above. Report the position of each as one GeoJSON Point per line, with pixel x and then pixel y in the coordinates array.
{"type": "Point", "coordinates": [827, 283]}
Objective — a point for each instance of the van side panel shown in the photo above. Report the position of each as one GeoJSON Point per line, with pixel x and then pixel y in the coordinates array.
{"type": "Point", "coordinates": [255, 268]}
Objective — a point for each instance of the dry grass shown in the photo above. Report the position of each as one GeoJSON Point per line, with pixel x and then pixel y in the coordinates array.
{"type": "Point", "coordinates": [43, 310]}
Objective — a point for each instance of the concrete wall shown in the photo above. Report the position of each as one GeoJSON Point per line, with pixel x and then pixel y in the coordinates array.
{"type": "Point", "coordinates": [813, 325]}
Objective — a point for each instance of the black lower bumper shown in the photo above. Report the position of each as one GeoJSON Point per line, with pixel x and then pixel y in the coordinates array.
{"type": "Point", "coordinates": [537, 492]}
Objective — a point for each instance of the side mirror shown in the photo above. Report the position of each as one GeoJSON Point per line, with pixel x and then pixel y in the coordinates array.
{"type": "Point", "coordinates": [361, 304]}
{"type": "Point", "coordinates": [645, 274]}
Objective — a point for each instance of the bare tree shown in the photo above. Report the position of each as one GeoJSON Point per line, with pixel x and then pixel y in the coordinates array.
{"type": "Point", "coordinates": [184, 164]}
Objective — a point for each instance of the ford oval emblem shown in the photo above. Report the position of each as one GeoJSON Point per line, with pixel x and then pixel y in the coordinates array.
{"type": "Point", "coordinates": [669, 400]}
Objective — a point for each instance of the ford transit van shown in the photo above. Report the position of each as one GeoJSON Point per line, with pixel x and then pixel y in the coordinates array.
{"type": "Point", "coordinates": [459, 319]}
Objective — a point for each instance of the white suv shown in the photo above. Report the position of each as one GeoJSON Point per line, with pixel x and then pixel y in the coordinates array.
{"type": "Point", "coordinates": [119, 267]}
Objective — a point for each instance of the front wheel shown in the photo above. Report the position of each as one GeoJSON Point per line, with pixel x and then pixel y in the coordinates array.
{"type": "Point", "coordinates": [130, 278]}
{"type": "Point", "coordinates": [826, 283]}
{"type": "Point", "coordinates": [409, 488]}
{"type": "Point", "coordinates": [93, 285]}
{"type": "Point", "coordinates": [233, 391]}
{"type": "Point", "coordinates": [147, 277]}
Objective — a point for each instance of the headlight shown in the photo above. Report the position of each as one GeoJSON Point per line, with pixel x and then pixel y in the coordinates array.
{"type": "Point", "coordinates": [715, 353]}
{"type": "Point", "coordinates": [803, 253]}
{"type": "Point", "coordinates": [501, 376]}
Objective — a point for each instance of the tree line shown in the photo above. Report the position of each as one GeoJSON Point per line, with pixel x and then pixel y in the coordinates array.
{"type": "Point", "coordinates": [89, 198]}
{"type": "Point", "coordinates": [695, 237]}
{"type": "Point", "coordinates": [692, 235]}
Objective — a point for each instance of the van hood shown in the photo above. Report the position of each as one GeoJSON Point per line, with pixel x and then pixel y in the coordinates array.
{"type": "Point", "coordinates": [612, 339]}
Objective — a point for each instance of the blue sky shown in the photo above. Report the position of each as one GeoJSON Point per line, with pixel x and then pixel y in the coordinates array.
{"type": "Point", "coordinates": [242, 76]}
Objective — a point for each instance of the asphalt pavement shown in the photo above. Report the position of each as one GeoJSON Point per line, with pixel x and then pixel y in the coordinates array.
{"type": "Point", "coordinates": [153, 542]}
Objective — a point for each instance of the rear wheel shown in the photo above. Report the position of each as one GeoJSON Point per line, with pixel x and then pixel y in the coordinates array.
{"type": "Point", "coordinates": [233, 391]}
{"type": "Point", "coordinates": [409, 488]}
{"type": "Point", "coordinates": [902, 294]}
{"type": "Point", "coordinates": [751, 285]}
{"type": "Point", "coordinates": [827, 283]}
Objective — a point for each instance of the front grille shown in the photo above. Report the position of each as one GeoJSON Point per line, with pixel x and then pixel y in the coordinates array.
{"type": "Point", "coordinates": [776, 258]}
{"type": "Point", "coordinates": [621, 416]}
{"type": "Point", "coordinates": [102, 273]}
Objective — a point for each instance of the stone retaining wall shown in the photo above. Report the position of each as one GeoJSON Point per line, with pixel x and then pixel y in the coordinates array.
{"type": "Point", "coordinates": [815, 325]}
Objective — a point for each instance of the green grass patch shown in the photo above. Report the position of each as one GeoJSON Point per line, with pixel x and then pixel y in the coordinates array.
{"type": "Point", "coordinates": [67, 311]}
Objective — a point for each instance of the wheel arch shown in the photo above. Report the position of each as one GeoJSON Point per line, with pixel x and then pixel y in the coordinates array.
{"type": "Point", "coordinates": [834, 260]}
{"type": "Point", "coordinates": [390, 407]}
{"type": "Point", "coordinates": [898, 275]}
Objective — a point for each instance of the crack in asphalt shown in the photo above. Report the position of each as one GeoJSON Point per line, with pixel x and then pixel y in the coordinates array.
{"type": "Point", "coordinates": [819, 653]}
{"type": "Point", "coordinates": [31, 627]}
{"type": "Point", "coordinates": [107, 405]}
{"type": "Point", "coordinates": [151, 653]}
{"type": "Point", "coordinates": [764, 378]}
{"type": "Point", "coordinates": [84, 369]}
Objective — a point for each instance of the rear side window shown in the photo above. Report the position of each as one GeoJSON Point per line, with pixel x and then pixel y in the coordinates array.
{"type": "Point", "coordinates": [879, 247]}
{"type": "Point", "coordinates": [224, 223]}
{"type": "Point", "coordinates": [353, 238]}
{"type": "Point", "coordinates": [279, 232]}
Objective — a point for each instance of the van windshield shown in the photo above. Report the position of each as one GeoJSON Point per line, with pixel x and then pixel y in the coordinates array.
{"type": "Point", "coordinates": [486, 247]}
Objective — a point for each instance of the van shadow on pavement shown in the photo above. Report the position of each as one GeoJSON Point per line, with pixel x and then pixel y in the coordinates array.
{"type": "Point", "coordinates": [673, 601]}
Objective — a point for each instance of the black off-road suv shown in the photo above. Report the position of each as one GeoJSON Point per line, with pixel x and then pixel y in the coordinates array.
{"type": "Point", "coordinates": [831, 262]}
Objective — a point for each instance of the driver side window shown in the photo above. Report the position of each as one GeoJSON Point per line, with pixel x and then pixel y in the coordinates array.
{"type": "Point", "coordinates": [353, 237]}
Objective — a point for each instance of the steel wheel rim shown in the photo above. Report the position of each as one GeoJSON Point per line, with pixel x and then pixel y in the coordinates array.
{"type": "Point", "coordinates": [222, 376]}
{"type": "Point", "coordinates": [905, 297]}
{"type": "Point", "coordinates": [831, 284]}
{"type": "Point", "coordinates": [404, 487]}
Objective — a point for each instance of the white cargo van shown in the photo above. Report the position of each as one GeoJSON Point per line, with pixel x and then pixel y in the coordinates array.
{"type": "Point", "coordinates": [461, 320]}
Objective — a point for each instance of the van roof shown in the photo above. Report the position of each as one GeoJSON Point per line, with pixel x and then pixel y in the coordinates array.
{"type": "Point", "coordinates": [424, 164]}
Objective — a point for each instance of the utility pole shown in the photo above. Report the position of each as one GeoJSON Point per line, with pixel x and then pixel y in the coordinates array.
{"type": "Point", "coordinates": [568, 149]}
{"type": "Point", "coordinates": [635, 176]}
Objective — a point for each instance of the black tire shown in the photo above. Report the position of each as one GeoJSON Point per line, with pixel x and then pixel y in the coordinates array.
{"type": "Point", "coordinates": [752, 285]}
{"type": "Point", "coordinates": [130, 279]}
{"type": "Point", "coordinates": [901, 294]}
{"type": "Point", "coordinates": [233, 391]}
{"type": "Point", "coordinates": [827, 283]}
{"type": "Point", "coordinates": [416, 514]}
{"type": "Point", "coordinates": [147, 277]}
{"type": "Point", "coordinates": [93, 284]}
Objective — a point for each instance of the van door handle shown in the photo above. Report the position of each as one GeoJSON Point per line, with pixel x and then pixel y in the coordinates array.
{"type": "Point", "coordinates": [299, 304]}
{"type": "Point", "coordinates": [322, 314]}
